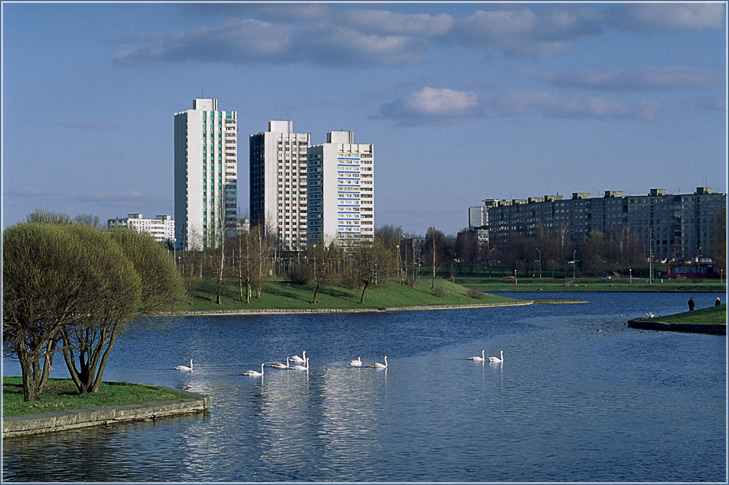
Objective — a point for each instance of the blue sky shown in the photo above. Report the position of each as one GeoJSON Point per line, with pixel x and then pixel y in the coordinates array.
{"type": "Point", "coordinates": [463, 102]}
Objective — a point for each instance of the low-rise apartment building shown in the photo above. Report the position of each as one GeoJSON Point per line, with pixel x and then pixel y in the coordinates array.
{"type": "Point", "coordinates": [162, 227]}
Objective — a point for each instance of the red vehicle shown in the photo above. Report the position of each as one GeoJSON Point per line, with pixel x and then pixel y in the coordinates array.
{"type": "Point", "coordinates": [693, 271]}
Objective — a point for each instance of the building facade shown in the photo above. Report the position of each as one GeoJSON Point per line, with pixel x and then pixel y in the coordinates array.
{"type": "Point", "coordinates": [162, 228]}
{"type": "Point", "coordinates": [341, 191]}
{"type": "Point", "coordinates": [675, 227]}
{"type": "Point", "coordinates": [278, 183]}
{"type": "Point", "coordinates": [206, 175]}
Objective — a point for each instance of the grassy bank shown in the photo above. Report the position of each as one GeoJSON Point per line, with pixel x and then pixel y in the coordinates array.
{"type": "Point", "coordinates": [62, 395]}
{"type": "Point", "coordinates": [283, 294]}
{"type": "Point", "coordinates": [706, 316]}
{"type": "Point", "coordinates": [591, 284]}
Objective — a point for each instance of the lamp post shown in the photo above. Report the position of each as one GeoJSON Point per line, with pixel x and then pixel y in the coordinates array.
{"type": "Point", "coordinates": [574, 264]}
{"type": "Point", "coordinates": [540, 263]}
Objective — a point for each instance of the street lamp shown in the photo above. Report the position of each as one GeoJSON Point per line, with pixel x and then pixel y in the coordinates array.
{"type": "Point", "coordinates": [574, 264]}
{"type": "Point", "coordinates": [540, 263]}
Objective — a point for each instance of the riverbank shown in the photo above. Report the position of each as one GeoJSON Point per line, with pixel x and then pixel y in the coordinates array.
{"type": "Point", "coordinates": [67, 419]}
{"type": "Point", "coordinates": [592, 285]}
{"type": "Point", "coordinates": [711, 320]}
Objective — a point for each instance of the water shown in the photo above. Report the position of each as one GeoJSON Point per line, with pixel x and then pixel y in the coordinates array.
{"type": "Point", "coordinates": [570, 403]}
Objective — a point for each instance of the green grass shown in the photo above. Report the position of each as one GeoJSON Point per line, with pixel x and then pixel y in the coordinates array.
{"type": "Point", "coordinates": [62, 395]}
{"type": "Point", "coordinates": [283, 294]}
{"type": "Point", "coordinates": [591, 284]}
{"type": "Point", "coordinates": [706, 316]}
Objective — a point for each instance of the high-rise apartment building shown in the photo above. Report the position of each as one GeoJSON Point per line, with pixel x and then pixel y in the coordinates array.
{"type": "Point", "coordinates": [278, 187]}
{"type": "Point", "coordinates": [206, 175]}
{"type": "Point", "coordinates": [341, 191]}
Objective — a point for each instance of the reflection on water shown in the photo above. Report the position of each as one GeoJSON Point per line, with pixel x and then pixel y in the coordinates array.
{"type": "Point", "coordinates": [569, 403]}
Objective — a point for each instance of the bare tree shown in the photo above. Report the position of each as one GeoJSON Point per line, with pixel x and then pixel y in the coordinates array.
{"type": "Point", "coordinates": [434, 252]}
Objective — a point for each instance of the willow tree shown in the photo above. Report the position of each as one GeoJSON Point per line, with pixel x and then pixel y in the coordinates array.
{"type": "Point", "coordinates": [112, 294]}
{"type": "Point", "coordinates": [44, 280]}
{"type": "Point", "coordinates": [134, 281]}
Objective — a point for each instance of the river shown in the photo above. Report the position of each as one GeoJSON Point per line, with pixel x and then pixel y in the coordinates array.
{"type": "Point", "coordinates": [579, 397]}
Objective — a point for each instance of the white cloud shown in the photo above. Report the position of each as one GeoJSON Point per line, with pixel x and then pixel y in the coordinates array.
{"type": "Point", "coordinates": [242, 40]}
{"type": "Point", "coordinates": [433, 104]}
{"type": "Point", "coordinates": [384, 22]}
{"type": "Point", "coordinates": [519, 32]}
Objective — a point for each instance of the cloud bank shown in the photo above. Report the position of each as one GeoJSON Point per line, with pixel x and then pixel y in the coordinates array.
{"type": "Point", "coordinates": [324, 35]}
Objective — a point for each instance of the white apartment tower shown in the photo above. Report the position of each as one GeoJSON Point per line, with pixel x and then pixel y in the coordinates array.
{"type": "Point", "coordinates": [278, 168]}
{"type": "Point", "coordinates": [341, 188]}
{"type": "Point", "coordinates": [206, 175]}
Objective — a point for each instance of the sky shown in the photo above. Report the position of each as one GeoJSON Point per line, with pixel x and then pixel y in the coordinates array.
{"type": "Point", "coordinates": [462, 101]}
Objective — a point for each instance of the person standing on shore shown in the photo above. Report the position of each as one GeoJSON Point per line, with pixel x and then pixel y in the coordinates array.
{"type": "Point", "coordinates": [717, 302]}
{"type": "Point", "coordinates": [691, 304]}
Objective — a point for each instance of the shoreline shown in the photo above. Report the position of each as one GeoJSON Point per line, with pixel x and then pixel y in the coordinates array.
{"type": "Point", "coordinates": [644, 324]}
{"type": "Point", "coordinates": [293, 311]}
{"type": "Point", "coordinates": [34, 424]}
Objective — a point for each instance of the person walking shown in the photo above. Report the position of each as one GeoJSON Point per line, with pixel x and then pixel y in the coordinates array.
{"type": "Point", "coordinates": [691, 304]}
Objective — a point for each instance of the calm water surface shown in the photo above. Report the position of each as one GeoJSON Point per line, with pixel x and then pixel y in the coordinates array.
{"type": "Point", "coordinates": [570, 403]}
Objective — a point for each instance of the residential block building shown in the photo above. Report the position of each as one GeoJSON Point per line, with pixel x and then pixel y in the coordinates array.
{"type": "Point", "coordinates": [341, 191]}
{"type": "Point", "coordinates": [162, 227]}
{"type": "Point", "coordinates": [206, 174]}
{"type": "Point", "coordinates": [675, 227]}
{"type": "Point", "coordinates": [278, 183]}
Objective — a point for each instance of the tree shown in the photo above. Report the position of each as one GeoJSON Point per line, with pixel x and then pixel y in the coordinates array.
{"type": "Point", "coordinates": [255, 263]}
{"type": "Point", "coordinates": [111, 295]}
{"type": "Point", "coordinates": [43, 281]}
{"type": "Point", "coordinates": [131, 281]}
{"type": "Point", "coordinates": [369, 260]}
{"type": "Point", "coordinates": [434, 252]}
{"type": "Point", "coordinates": [320, 266]}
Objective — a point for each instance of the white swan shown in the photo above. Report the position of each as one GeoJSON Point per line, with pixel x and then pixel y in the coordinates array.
{"type": "Point", "coordinates": [497, 360]}
{"type": "Point", "coordinates": [477, 358]}
{"type": "Point", "coordinates": [184, 367]}
{"type": "Point", "coordinates": [297, 359]}
{"type": "Point", "coordinates": [254, 373]}
{"type": "Point", "coordinates": [279, 365]}
{"type": "Point", "coordinates": [301, 367]}
{"type": "Point", "coordinates": [378, 365]}
{"type": "Point", "coordinates": [356, 363]}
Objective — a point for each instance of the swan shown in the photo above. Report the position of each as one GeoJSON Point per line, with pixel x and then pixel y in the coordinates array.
{"type": "Point", "coordinates": [497, 360]}
{"type": "Point", "coordinates": [356, 363]}
{"type": "Point", "coordinates": [297, 359]}
{"type": "Point", "coordinates": [479, 359]}
{"type": "Point", "coordinates": [279, 365]}
{"type": "Point", "coordinates": [378, 365]}
{"type": "Point", "coordinates": [301, 367]}
{"type": "Point", "coordinates": [184, 367]}
{"type": "Point", "coordinates": [254, 373]}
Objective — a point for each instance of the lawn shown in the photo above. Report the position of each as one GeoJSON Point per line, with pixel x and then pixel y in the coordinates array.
{"type": "Point", "coordinates": [284, 294]}
{"type": "Point", "coordinates": [591, 284]}
{"type": "Point", "coordinates": [62, 395]}
{"type": "Point", "coordinates": [706, 316]}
